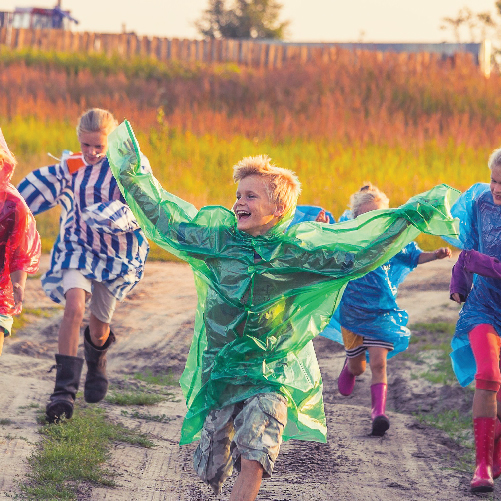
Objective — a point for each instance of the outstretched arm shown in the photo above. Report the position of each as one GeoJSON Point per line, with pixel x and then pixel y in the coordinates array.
{"type": "Point", "coordinates": [441, 253]}
{"type": "Point", "coordinates": [42, 188]}
{"type": "Point", "coordinates": [169, 221]}
{"type": "Point", "coordinates": [358, 246]}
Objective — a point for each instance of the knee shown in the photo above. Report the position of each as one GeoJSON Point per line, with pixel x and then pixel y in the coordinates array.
{"type": "Point", "coordinates": [74, 312]}
{"type": "Point", "coordinates": [357, 369]}
{"type": "Point", "coordinates": [356, 365]}
{"type": "Point", "coordinates": [378, 366]}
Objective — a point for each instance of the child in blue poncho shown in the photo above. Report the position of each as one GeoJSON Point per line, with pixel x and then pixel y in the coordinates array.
{"type": "Point", "coordinates": [476, 343]}
{"type": "Point", "coordinates": [368, 315]}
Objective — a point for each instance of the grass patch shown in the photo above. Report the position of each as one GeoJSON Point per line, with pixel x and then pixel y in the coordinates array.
{"type": "Point", "coordinates": [142, 389]}
{"type": "Point", "coordinates": [146, 416]}
{"type": "Point", "coordinates": [458, 426]}
{"type": "Point", "coordinates": [25, 316]}
{"type": "Point", "coordinates": [133, 397]}
{"type": "Point", "coordinates": [435, 327]}
{"type": "Point", "coordinates": [159, 379]}
{"type": "Point", "coordinates": [6, 422]}
{"type": "Point", "coordinates": [73, 452]}
{"type": "Point", "coordinates": [455, 424]}
{"type": "Point", "coordinates": [431, 346]}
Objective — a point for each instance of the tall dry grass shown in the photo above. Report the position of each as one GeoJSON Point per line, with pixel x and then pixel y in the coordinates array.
{"type": "Point", "coordinates": [336, 125]}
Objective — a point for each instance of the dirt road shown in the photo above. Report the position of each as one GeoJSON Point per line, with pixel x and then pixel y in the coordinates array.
{"type": "Point", "coordinates": [154, 327]}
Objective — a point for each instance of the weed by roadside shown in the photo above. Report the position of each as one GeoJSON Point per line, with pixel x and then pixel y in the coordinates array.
{"type": "Point", "coordinates": [143, 389]}
{"type": "Point", "coordinates": [159, 379]}
{"type": "Point", "coordinates": [431, 347]}
{"type": "Point", "coordinates": [73, 452]}
{"type": "Point", "coordinates": [147, 416]}
{"type": "Point", "coordinates": [25, 316]}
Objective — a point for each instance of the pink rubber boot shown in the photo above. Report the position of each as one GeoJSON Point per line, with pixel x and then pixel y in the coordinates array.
{"type": "Point", "coordinates": [346, 380]}
{"type": "Point", "coordinates": [483, 428]}
{"type": "Point", "coordinates": [380, 421]}
{"type": "Point", "coordinates": [496, 460]}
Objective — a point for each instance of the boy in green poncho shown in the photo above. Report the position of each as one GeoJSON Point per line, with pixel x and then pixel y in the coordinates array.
{"type": "Point", "coordinates": [264, 291]}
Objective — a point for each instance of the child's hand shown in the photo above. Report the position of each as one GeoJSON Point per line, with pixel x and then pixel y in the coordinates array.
{"type": "Point", "coordinates": [456, 297]}
{"type": "Point", "coordinates": [442, 253]}
{"type": "Point", "coordinates": [126, 149]}
{"type": "Point", "coordinates": [18, 290]}
{"type": "Point", "coordinates": [322, 217]}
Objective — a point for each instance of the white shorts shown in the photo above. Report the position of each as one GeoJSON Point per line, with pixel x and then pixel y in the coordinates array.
{"type": "Point", "coordinates": [6, 324]}
{"type": "Point", "coordinates": [102, 302]}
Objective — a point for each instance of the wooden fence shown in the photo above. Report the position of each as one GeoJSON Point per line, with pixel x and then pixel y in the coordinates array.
{"type": "Point", "coordinates": [263, 54]}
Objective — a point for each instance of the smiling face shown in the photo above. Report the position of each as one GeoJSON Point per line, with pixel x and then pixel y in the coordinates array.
{"type": "Point", "coordinates": [255, 213]}
{"type": "Point", "coordinates": [496, 184]}
{"type": "Point", "coordinates": [93, 145]}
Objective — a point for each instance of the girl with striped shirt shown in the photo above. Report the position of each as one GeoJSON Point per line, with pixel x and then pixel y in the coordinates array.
{"type": "Point", "coordinates": [99, 254]}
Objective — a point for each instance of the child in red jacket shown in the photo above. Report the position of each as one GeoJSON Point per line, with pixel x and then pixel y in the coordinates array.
{"type": "Point", "coordinates": [19, 244]}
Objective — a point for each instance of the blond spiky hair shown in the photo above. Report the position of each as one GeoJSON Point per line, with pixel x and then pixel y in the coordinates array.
{"type": "Point", "coordinates": [282, 185]}
{"type": "Point", "coordinates": [494, 159]}
{"type": "Point", "coordinates": [366, 194]}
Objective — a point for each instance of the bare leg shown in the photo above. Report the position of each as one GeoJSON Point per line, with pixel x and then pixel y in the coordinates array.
{"type": "Point", "coordinates": [377, 361]}
{"type": "Point", "coordinates": [247, 484]}
{"type": "Point", "coordinates": [356, 365]}
{"type": "Point", "coordinates": [484, 403]}
{"type": "Point", "coordinates": [1, 340]}
{"type": "Point", "coordinates": [69, 330]}
{"type": "Point", "coordinates": [99, 331]}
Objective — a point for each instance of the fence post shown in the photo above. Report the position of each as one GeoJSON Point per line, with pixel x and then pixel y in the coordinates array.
{"type": "Point", "coordinates": [272, 51]}
{"type": "Point", "coordinates": [484, 57]}
{"type": "Point", "coordinates": [19, 39]}
{"type": "Point", "coordinates": [174, 49]}
{"type": "Point", "coordinates": [279, 56]}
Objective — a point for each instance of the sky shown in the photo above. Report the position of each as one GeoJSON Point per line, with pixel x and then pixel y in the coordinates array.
{"type": "Point", "coordinates": [310, 20]}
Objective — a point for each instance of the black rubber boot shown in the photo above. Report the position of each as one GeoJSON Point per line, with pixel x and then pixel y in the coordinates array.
{"type": "Point", "coordinates": [62, 400]}
{"type": "Point", "coordinates": [96, 382]}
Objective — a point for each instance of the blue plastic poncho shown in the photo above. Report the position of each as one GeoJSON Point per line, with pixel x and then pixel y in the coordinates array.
{"type": "Point", "coordinates": [480, 229]}
{"type": "Point", "coordinates": [261, 300]}
{"type": "Point", "coordinates": [309, 213]}
{"type": "Point", "coordinates": [368, 306]}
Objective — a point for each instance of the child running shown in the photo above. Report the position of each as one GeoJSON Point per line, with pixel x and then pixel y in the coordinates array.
{"type": "Point", "coordinates": [476, 281]}
{"type": "Point", "coordinates": [99, 253]}
{"type": "Point", "coordinates": [19, 244]}
{"type": "Point", "coordinates": [370, 318]}
{"type": "Point", "coordinates": [252, 378]}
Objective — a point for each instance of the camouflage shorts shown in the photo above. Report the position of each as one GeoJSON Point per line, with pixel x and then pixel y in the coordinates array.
{"type": "Point", "coordinates": [251, 429]}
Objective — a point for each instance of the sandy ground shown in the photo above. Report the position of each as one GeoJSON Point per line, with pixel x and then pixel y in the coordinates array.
{"type": "Point", "coordinates": [154, 328]}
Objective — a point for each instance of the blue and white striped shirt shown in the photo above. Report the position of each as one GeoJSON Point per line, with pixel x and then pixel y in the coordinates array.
{"type": "Point", "coordinates": [98, 234]}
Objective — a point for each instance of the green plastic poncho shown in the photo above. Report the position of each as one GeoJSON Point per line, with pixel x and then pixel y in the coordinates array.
{"type": "Point", "coordinates": [261, 300]}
